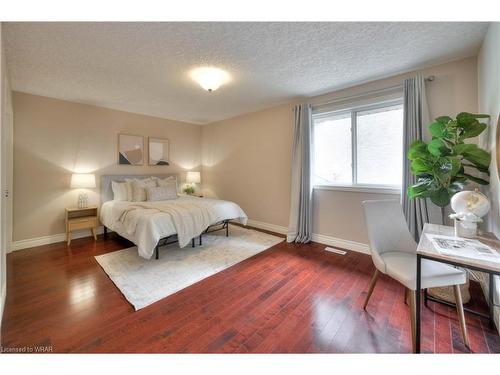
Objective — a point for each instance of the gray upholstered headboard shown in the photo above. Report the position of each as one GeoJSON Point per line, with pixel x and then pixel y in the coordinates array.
{"type": "Point", "coordinates": [107, 193]}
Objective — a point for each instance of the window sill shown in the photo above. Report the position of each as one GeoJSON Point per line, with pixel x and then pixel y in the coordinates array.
{"type": "Point", "coordinates": [360, 189]}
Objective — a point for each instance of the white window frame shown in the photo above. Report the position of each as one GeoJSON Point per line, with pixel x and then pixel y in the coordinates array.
{"type": "Point", "coordinates": [354, 186]}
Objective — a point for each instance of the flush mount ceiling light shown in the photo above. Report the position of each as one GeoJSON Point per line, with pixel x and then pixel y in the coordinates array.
{"type": "Point", "coordinates": [209, 78]}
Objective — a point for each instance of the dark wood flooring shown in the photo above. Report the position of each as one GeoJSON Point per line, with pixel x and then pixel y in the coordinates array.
{"type": "Point", "coordinates": [289, 299]}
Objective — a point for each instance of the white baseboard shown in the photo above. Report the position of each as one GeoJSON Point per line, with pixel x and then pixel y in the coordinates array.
{"type": "Point", "coordinates": [320, 238]}
{"type": "Point", "coordinates": [46, 240]}
{"type": "Point", "coordinates": [266, 226]}
{"type": "Point", "coordinates": [341, 243]}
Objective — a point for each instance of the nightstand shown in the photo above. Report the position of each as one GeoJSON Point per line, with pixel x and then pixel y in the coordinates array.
{"type": "Point", "coordinates": [81, 218]}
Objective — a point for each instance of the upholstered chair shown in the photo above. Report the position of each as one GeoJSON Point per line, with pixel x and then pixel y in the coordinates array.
{"type": "Point", "coordinates": [393, 252]}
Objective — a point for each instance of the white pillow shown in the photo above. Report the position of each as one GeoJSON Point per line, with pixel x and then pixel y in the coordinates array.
{"type": "Point", "coordinates": [128, 183]}
{"type": "Point", "coordinates": [139, 188]}
{"type": "Point", "coordinates": [119, 191]}
{"type": "Point", "coordinates": [169, 181]}
{"type": "Point", "coordinates": [130, 192]}
{"type": "Point", "coordinates": [161, 193]}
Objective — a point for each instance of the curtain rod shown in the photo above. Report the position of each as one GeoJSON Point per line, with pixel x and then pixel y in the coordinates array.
{"type": "Point", "coordinates": [368, 93]}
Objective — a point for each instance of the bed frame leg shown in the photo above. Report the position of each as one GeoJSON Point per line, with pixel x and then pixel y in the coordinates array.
{"type": "Point", "coordinates": [105, 233]}
{"type": "Point", "coordinates": [201, 235]}
{"type": "Point", "coordinates": [227, 228]}
{"type": "Point", "coordinates": [192, 243]}
{"type": "Point", "coordinates": [157, 252]}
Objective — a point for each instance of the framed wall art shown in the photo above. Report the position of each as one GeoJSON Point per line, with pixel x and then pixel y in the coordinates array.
{"type": "Point", "coordinates": [130, 149]}
{"type": "Point", "coordinates": [159, 149]}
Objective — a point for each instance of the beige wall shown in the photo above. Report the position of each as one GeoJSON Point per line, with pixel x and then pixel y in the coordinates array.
{"type": "Point", "coordinates": [248, 158]}
{"type": "Point", "coordinates": [453, 91]}
{"type": "Point", "coordinates": [53, 138]}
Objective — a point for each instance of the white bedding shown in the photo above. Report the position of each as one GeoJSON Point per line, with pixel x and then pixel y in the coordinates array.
{"type": "Point", "coordinates": [147, 226]}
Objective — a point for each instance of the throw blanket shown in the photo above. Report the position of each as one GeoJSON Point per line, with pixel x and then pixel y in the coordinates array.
{"type": "Point", "coordinates": [189, 219]}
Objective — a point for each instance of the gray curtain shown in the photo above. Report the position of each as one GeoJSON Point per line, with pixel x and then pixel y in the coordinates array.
{"type": "Point", "coordinates": [300, 224]}
{"type": "Point", "coordinates": [415, 119]}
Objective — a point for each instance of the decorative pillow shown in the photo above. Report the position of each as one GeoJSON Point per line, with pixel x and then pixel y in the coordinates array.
{"type": "Point", "coordinates": [139, 188]}
{"type": "Point", "coordinates": [119, 191]}
{"type": "Point", "coordinates": [128, 183]}
{"type": "Point", "coordinates": [161, 193]}
{"type": "Point", "coordinates": [170, 182]}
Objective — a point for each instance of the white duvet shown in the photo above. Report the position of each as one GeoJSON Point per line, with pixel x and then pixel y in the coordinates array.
{"type": "Point", "coordinates": [144, 223]}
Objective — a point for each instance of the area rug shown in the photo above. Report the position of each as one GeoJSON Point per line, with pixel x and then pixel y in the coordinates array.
{"type": "Point", "coordinates": [144, 282]}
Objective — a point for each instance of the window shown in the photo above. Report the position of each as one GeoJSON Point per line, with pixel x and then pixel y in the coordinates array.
{"type": "Point", "coordinates": [360, 147]}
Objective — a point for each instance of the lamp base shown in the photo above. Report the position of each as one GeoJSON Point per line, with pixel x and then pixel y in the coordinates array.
{"type": "Point", "coordinates": [465, 229]}
{"type": "Point", "coordinates": [83, 200]}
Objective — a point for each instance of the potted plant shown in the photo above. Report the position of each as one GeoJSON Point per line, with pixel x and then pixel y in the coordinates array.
{"type": "Point", "coordinates": [189, 189]}
{"type": "Point", "coordinates": [444, 166]}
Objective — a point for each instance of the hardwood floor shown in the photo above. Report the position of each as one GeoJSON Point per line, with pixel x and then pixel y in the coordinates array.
{"type": "Point", "coordinates": [289, 299]}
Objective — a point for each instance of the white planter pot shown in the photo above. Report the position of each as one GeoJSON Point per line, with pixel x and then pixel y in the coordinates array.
{"type": "Point", "coordinates": [465, 229]}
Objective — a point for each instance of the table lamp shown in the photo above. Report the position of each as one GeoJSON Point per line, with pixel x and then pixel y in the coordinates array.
{"type": "Point", "coordinates": [469, 207]}
{"type": "Point", "coordinates": [83, 181]}
{"type": "Point", "coordinates": [192, 178]}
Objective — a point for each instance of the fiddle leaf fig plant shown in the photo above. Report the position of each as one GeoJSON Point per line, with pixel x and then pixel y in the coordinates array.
{"type": "Point", "coordinates": [444, 166]}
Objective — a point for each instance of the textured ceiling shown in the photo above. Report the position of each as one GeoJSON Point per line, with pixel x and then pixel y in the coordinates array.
{"type": "Point", "coordinates": [143, 67]}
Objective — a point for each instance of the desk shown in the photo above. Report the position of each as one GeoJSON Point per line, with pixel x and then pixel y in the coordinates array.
{"type": "Point", "coordinates": [426, 250]}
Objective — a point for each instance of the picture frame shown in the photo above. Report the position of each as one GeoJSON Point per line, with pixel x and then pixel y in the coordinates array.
{"type": "Point", "coordinates": [158, 151]}
{"type": "Point", "coordinates": [130, 149]}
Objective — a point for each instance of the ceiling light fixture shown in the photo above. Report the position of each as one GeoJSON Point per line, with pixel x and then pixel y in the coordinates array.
{"type": "Point", "coordinates": [209, 78]}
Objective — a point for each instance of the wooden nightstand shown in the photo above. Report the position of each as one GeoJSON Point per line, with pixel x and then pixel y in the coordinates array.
{"type": "Point", "coordinates": [81, 218]}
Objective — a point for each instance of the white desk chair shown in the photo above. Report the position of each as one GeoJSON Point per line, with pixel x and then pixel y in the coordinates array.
{"type": "Point", "coordinates": [393, 251]}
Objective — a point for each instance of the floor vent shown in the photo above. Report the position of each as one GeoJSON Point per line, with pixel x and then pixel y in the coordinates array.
{"type": "Point", "coordinates": [336, 251]}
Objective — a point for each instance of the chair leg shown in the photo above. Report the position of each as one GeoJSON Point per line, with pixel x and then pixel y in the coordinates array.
{"type": "Point", "coordinates": [460, 312]}
{"type": "Point", "coordinates": [413, 316]}
{"type": "Point", "coordinates": [371, 287]}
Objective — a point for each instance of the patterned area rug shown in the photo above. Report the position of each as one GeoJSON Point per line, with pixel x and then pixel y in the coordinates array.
{"type": "Point", "coordinates": [144, 282]}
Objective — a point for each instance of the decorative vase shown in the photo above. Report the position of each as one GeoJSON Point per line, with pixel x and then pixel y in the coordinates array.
{"type": "Point", "coordinates": [465, 229]}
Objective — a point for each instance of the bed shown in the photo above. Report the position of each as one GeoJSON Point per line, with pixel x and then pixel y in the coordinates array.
{"type": "Point", "coordinates": [150, 225]}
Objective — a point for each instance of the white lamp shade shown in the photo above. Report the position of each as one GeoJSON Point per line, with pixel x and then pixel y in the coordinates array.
{"type": "Point", "coordinates": [83, 180]}
{"type": "Point", "coordinates": [193, 177]}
